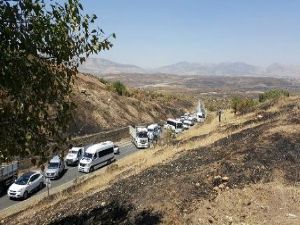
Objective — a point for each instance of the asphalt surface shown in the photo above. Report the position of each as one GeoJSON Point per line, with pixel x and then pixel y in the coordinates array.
{"type": "Point", "coordinates": [69, 174]}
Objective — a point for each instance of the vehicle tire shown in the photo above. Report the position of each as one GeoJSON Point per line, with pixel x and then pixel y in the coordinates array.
{"type": "Point", "coordinates": [41, 185]}
{"type": "Point", "coordinates": [25, 195]}
{"type": "Point", "coordinates": [91, 169]}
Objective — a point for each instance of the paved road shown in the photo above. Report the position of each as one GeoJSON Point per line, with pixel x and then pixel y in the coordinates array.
{"type": "Point", "coordinates": [70, 174]}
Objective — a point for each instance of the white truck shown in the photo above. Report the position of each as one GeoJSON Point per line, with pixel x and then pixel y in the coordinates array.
{"type": "Point", "coordinates": [74, 155]}
{"type": "Point", "coordinates": [8, 174]}
{"type": "Point", "coordinates": [139, 136]}
{"type": "Point", "coordinates": [154, 131]}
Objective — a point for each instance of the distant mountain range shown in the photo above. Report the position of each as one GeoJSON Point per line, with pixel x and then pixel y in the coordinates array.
{"type": "Point", "coordinates": [103, 66]}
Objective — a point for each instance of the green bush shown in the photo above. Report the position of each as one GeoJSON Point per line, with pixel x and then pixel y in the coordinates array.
{"type": "Point", "coordinates": [242, 105]}
{"type": "Point", "coordinates": [273, 94]}
{"type": "Point", "coordinates": [120, 88]}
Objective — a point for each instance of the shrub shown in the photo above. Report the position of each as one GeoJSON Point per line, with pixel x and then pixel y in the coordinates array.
{"type": "Point", "coordinates": [102, 80]}
{"type": "Point", "coordinates": [242, 105]}
{"type": "Point", "coordinates": [273, 94]}
{"type": "Point", "coordinates": [120, 88]}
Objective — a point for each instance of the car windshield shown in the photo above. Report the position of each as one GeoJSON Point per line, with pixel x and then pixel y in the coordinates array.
{"type": "Point", "coordinates": [53, 165]}
{"type": "Point", "coordinates": [179, 125]}
{"type": "Point", "coordinates": [23, 180]}
{"type": "Point", "coordinates": [73, 152]}
{"type": "Point", "coordinates": [142, 135]}
{"type": "Point", "coordinates": [88, 155]}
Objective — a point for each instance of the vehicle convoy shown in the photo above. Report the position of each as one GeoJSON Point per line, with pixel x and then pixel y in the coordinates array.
{"type": "Point", "coordinates": [175, 125]}
{"type": "Point", "coordinates": [154, 131]}
{"type": "Point", "coordinates": [26, 184]}
{"type": "Point", "coordinates": [8, 174]}
{"type": "Point", "coordinates": [96, 156]}
{"type": "Point", "coordinates": [74, 155]}
{"type": "Point", "coordinates": [55, 168]}
{"type": "Point", "coordinates": [139, 136]}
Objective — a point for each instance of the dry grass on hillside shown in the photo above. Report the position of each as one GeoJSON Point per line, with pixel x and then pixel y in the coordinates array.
{"type": "Point", "coordinates": [100, 108]}
{"type": "Point", "coordinates": [216, 173]}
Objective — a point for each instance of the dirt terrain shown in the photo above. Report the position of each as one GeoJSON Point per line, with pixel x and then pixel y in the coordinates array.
{"type": "Point", "coordinates": [205, 84]}
{"type": "Point", "coordinates": [242, 171]}
{"type": "Point", "coordinates": [100, 108]}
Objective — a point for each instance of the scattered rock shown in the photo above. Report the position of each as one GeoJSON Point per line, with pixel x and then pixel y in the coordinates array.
{"type": "Point", "coordinates": [225, 179]}
{"type": "Point", "coordinates": [259, 116]}
{"type": "Point", "coordinates": [222, 186]}
{"type": "Point", "coordinates": [292, 216]}
{"type": "Point", "coordinates": [210, 220]}
{"type": "Point", "coordinates": [197, 184]}
{"type": "Point", "coordinates": [217, 189]}
{"type": "Point", "coordinates": [103, 204]}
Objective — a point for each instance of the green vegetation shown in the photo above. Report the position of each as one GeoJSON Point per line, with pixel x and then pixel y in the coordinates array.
{"type": "Point", "coordinates": [120, 88]}
{"type": "Point", "coordinates": [273, 94]}
{"type": "Point", "coordinates": [242, 105]}
{"type": "Point", "coordinates": [42, 45]}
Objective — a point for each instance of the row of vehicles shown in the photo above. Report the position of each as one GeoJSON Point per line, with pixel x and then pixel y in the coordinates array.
{"type": "Point", "coordinates": [142, 136]}
{"type": "Point", "coordinates": [184, 122]}
{"type": "Point", "coordinates": [87, 158]}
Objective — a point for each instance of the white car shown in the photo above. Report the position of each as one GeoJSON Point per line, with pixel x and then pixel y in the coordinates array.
{"type": "Point", "coordinates": [55, 168]}
{"type": "Point", "coordinates": [25, 185]}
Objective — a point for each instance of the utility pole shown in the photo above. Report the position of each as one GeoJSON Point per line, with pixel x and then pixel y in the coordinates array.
{"type": "Point", "coordinates": [220, 115]}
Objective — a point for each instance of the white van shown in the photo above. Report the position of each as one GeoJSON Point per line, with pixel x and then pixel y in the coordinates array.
{"type": "Point", "coordinates": [200, 116]}
{"type": "Point", "coordinates": [96, 156]}
{"type": "Point", "coordinates": [174, 125]}
{"type": "Point", "coordinates": [153, 131]}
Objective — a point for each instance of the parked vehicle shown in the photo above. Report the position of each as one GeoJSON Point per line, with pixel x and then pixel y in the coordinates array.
{"type": "Point", "coordinates": [200, 116]}
{"type": "Point", "coordinates": [174, 125]}
{"type": "Point", "coordinates": [154, 131]}
{"type": "Point", "coordinates": [116, 149]}
{"type": "Point", "coordinates": [188, 123]}
{"type": "Point", "coordinates": [26, 184]}
{"type": "Point", "coordinates": [74, 155]}
{"type": "Point", "coordinates": [55, 168]}
{"type": "Point", "coordinates": [193, 119]}
{"type": "Point", "coordinates": [139, 136]}
{"type": "Point", "coordinates": [96, 156]}
{"type": "Point", "coordinates": [8, 174]}
{"type": "Point", "coordinates": [185, 127]}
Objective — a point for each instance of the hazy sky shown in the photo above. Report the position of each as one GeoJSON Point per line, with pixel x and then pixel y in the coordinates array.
{"type": "Point", "coordinates": [153, 33]}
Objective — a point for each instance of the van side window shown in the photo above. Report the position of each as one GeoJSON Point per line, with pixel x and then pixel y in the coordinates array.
{"type": "Point", "coordinates": [106, 152]}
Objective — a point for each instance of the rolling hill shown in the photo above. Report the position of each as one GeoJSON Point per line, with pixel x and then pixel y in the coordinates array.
{"type": "Point", "coordinates": [103, 66]}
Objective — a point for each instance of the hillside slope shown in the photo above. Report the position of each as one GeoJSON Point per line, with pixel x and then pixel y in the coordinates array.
{"type": "Point", "coordinates": [243, 171]}
{"type": "Point", "coordinates": [100, 108]}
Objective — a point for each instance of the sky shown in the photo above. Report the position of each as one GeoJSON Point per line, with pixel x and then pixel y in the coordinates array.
{"type": "Point", "coordinates": [153, 33]}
